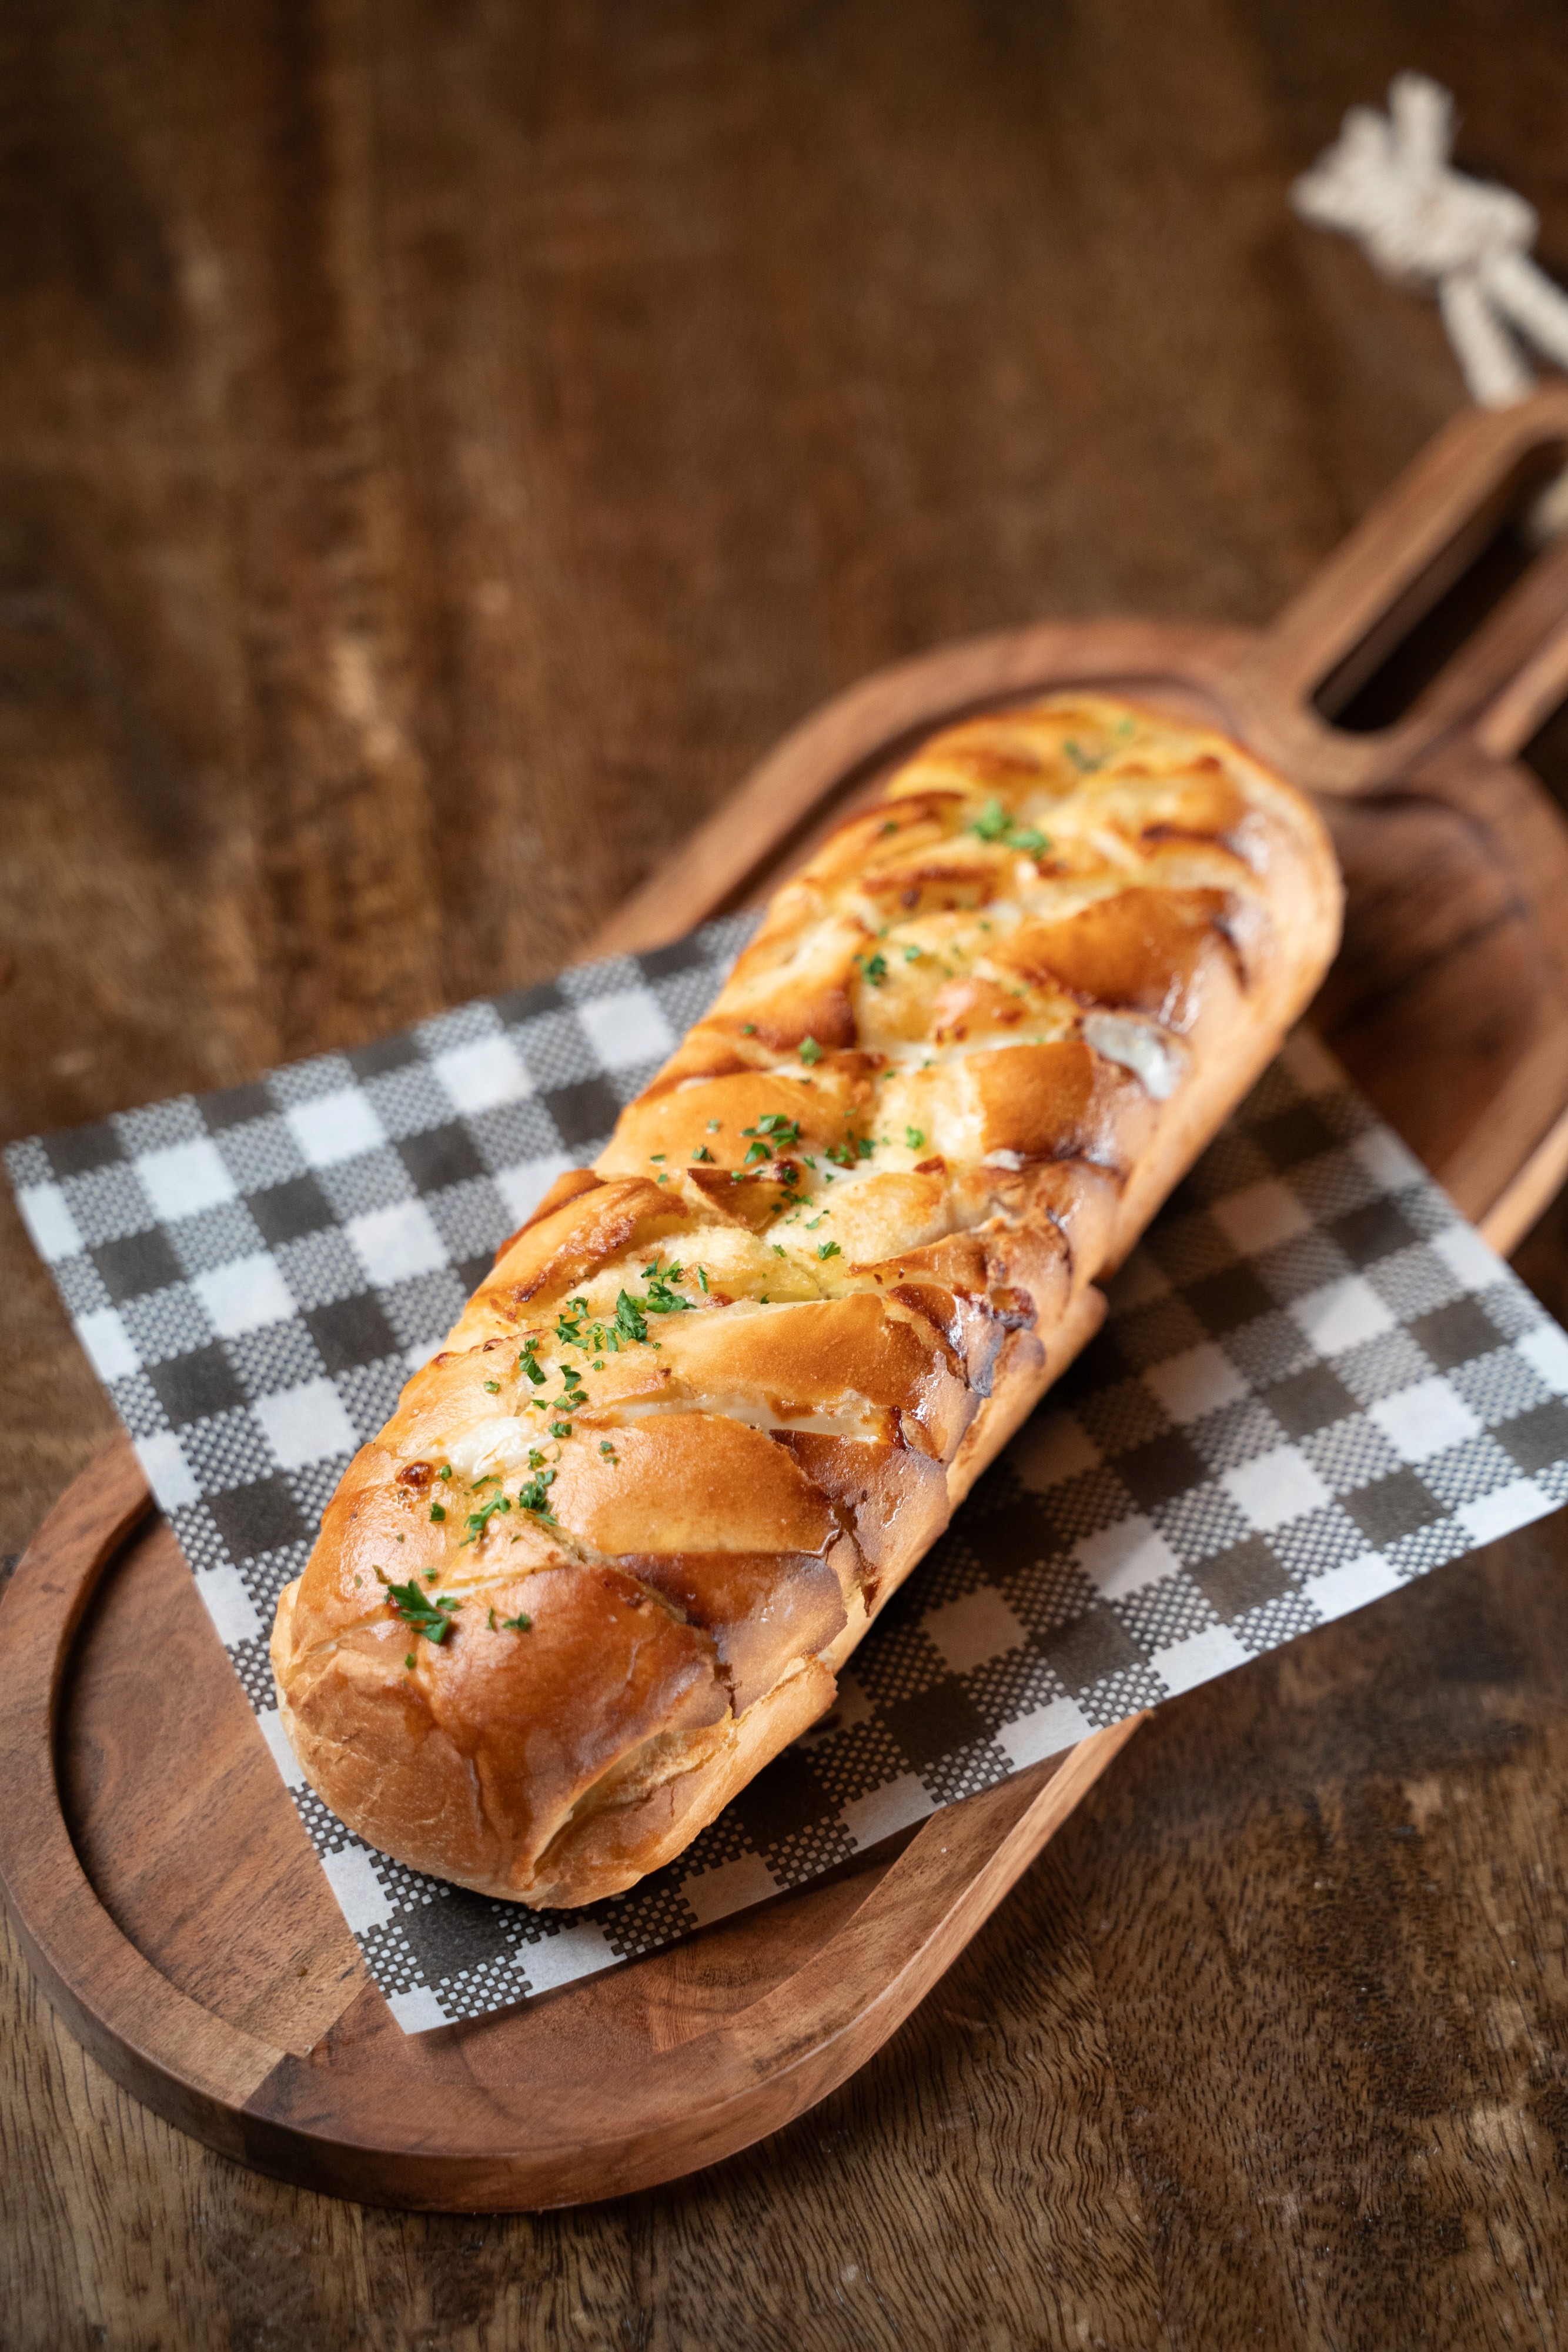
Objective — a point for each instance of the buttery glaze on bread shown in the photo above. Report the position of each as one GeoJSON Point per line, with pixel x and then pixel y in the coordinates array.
{"type": "Point", "coordinates": [722, 1391]}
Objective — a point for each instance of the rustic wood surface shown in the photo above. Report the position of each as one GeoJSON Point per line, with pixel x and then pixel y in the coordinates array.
{"type": "Point", "coordinates": [177, 1920]}
{"type": "Point", "coordinates": [445, 447]}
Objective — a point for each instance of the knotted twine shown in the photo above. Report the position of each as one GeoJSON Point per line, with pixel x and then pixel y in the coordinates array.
{"type": "Point", "coordinates": [1387, 181]}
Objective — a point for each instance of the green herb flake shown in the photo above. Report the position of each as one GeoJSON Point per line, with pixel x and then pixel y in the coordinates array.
{"type": "Point", "coordinates": [702, 1152]}
{"type": "Point", "coordinates": [779, 1250]}
{"type": "Point", "coordinates": [492, 1388]}
{"type": "Point", "coordinates": [748, 1028]}
{"type": "Point", "coordinates": [480, 1519]}
{"type": "Point", "coordinates": [874, 969]}
{"type": "Point", "coordinates": [408, 1661]}
{"type": "Point", "coordinates": [535, 1496]}
{"type": "Point", "coordinates": [521, 1624]}
{"type": "Point", "coordinates": [829, 1249]}
{"type": "Point", "coordinates": [438, 1511]}
{"type": "Point", "coordinates": [702, 1278]}
{"type": "Point", "coordinates": [994, 823]}
{"type": "Point", "coordinates": [560, 1428]}
{"type": "Point", "coordinates": [889, 824]}
{"type": "Point", "coordinates": [412, 1607]}
{"type": "Point", "coordinates": [629, 1320]}
{"type": "Point", "coordinates": [915, 1138]}
{"type": "Point", "coordinates": [811, 1052]}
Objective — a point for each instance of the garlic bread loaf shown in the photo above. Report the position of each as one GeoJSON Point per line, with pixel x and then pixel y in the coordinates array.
{"type": "Point", "coordinates": [722, 1390]}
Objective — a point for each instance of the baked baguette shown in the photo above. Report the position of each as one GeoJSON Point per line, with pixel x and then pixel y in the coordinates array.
{"type": "Point", "coordinates": [722, 1391]}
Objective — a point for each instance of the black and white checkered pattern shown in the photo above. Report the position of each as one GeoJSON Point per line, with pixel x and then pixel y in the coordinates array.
{"type": "Point", "coordinates": [1316, 1382]}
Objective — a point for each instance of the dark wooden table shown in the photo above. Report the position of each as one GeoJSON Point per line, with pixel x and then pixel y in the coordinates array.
{"type": "Point", "coordinates": [445, 446]}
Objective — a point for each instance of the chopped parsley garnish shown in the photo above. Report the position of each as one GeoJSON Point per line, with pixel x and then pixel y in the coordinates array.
{"type": "Point", "coordinates": [492, 1388]}
{"type": "Point", "coordinates": [889, 824]}
{"type": "Point", "coordinates": [828, 1249]}
{"type": "Point", "coordinates": [629, 1320]}
{"type": "Point", "coordinates": [444, 1471]}
{"type": "Point", "coordinates": [811, 1052]}
{"type": "Point", "coordinates": [532, 1369]}
{"type": "Point", "coordinates": [713, 1125]}
{"type": "Point", "coordinates": [915, 1138]}
{"type": "Point", "coordinates": [657, 1155]}
{"type": "Point", "coordinates": [779, 1250]}
{"type": "Point", "coordinates": [994, 823]}
{"type": "Point", "coordinates": [774, 1133]}
{"type": "Point", "coordinates": [535, 1497]}
{"type": "Point", "coordinates": [438, 1511]}
{"type": "Point", "coordinates": [480, 1519]}
{"type": "Point", "coordinates": [521, 1624]}
{"type": "Point", "coordinates": [702, 1278]}
{"type": "Point", "coordinates": [873, 967]}
{"type": "Point", "coordinates": [702, 1152]}
{"type": "Point", "coordinates": [430, 1618]}
{"type": "Point", "coordinates": [748, 1028]}
{"type": "Point", "coordinates": [1080, 760]}
{"type": "Point", "coordinates": [606, 1447]}
{"type": "Point", "coordinates": [854, 1147]}
{"type": "Point", "coordinates": [408, 1661]}
{"type": "Point", "coordinates": [560, 1428]}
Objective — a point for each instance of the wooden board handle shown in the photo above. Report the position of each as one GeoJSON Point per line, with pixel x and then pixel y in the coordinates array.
{"type": "Point", "coordinates": [1416, 540]}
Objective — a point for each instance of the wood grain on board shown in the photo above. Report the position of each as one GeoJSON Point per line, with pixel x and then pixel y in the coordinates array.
{"type": "Point", "coordinates": [611, 2086]}
{"type": "Point", "coordinates": [445, 448]}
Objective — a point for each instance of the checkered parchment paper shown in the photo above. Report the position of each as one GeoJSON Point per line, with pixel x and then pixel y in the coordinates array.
{"type": "Point", "coordinates": [1316, 1382]}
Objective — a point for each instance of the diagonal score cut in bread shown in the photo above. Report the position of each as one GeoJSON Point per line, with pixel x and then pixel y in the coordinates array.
{"type": "Point", "coordinates": [721, 1392]}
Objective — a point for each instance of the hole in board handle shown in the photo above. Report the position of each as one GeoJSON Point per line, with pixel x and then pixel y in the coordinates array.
{"type": "Point", "coordinates": [1379, 682]}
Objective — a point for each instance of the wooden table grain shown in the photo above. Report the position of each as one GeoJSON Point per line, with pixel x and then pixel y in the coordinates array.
{"type": "Point", "coordinates": [445, 446]}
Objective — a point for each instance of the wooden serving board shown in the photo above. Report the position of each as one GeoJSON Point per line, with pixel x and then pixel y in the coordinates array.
{"type": "Point", "coordinates": [152, 1863]}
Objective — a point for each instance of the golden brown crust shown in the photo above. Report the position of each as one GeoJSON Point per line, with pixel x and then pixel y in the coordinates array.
{"type": "Point", "coordinates": [719, 1394]}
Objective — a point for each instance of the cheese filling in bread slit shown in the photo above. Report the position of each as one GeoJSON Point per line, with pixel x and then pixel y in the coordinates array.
{"type": "Point", "coordinates": [722, 1390]}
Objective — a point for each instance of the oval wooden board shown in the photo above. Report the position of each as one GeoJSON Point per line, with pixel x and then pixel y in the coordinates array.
{"type": "Point", "coordinates": [178, 1917]}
